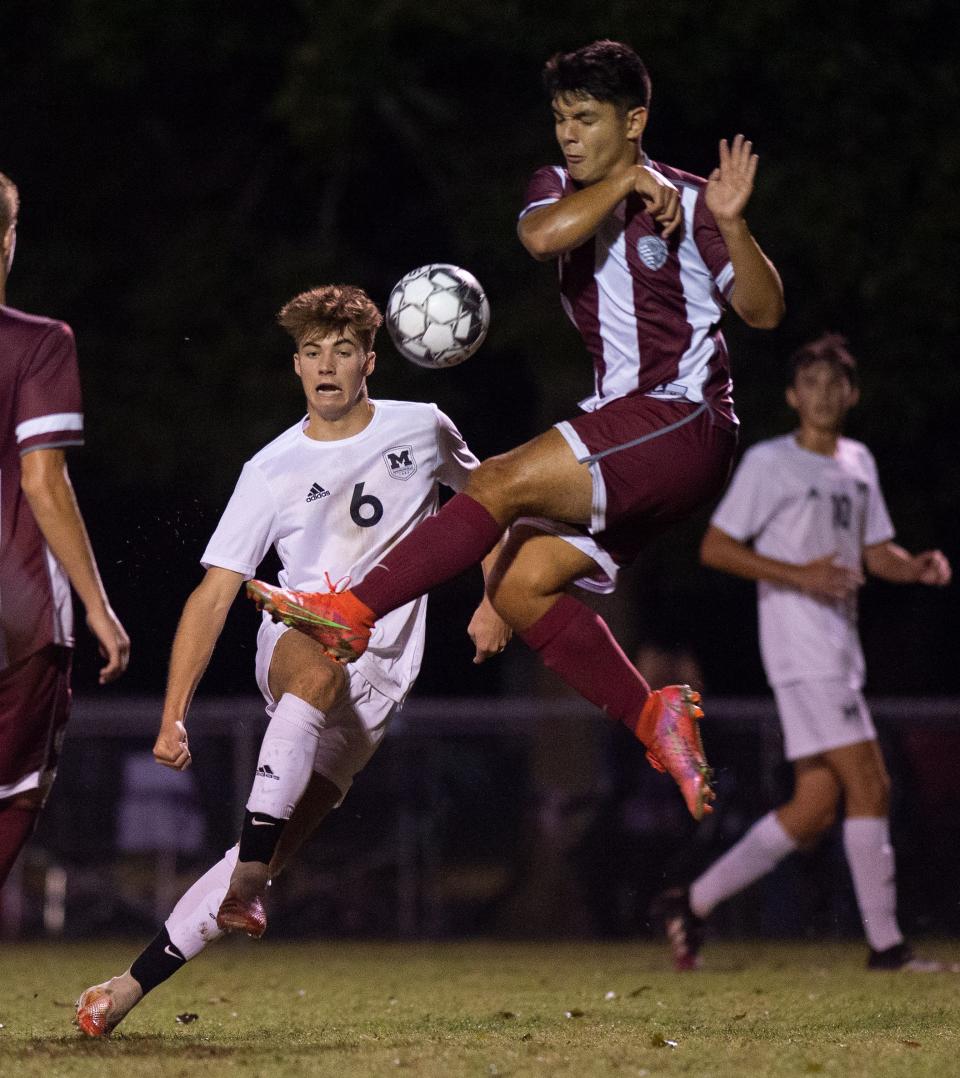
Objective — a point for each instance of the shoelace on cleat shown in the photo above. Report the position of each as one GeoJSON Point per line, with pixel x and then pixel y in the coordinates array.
{"type": "Point", "coordinates": [334, 587]}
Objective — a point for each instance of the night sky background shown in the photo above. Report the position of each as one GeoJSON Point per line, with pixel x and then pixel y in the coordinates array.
{"type": "Point", "coordinates": [185, 168]}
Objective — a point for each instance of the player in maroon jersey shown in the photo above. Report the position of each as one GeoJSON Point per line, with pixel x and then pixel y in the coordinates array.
{"type": "Point", "coordinates": [649, 256]}
{"type": "Point", "coordinates": [44, 549]}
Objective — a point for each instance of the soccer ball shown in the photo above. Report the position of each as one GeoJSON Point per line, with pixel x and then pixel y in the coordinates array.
{"type": "Point", "coordinates": [438, 315]}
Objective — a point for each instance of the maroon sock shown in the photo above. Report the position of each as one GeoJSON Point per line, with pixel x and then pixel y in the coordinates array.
{"type": "Point", "coordinates": [16, 826]}
{"type": "Point", "coordinates": [576, 644]}
{"type": "Point", "coordinates": [439, 548]}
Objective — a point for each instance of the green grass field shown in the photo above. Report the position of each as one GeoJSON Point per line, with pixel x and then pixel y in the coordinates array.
{"type": "Point", "coordinates": [486, 1009]}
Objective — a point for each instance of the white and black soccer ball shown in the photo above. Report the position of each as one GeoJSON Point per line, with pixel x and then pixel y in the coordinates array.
{"type": "Point", "coordinates": [438, 315]}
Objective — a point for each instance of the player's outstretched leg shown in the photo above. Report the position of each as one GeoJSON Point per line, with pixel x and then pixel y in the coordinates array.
{"type": "Point", "coordinates": [669, 727]}
{"type": "Point", "coordinates": [189, 928]}
{"type": "Point", "coordinates": [337, 621]}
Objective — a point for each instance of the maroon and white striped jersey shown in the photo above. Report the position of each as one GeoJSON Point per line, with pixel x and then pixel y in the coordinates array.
{"type": "Point", "coordinates": [40, 408]}
{"type": "Point", "coordinates": [647, 308]}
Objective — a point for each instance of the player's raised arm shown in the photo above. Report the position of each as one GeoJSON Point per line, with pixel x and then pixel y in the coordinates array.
{"type": "Point", "coordinates": [200, 626]}
{"type": "Point", "coordinates": [550, 231]}
{"type": "Point", "coordinates": [758, 292]}
{"type": "Point", "coordinates": [46, 486]}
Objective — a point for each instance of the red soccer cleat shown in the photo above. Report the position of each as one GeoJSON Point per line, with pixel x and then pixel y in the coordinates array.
{"type": "Point", "coordinates": [672, 714]}
{"type": "Point", "coordinates": [683, 928]}
{"type": "Point", "coordinates": [242, 915]}
{"type": "Point", "coordinates": [104, 1006]}
{"type": "Point", "coordinates": [338, 621]}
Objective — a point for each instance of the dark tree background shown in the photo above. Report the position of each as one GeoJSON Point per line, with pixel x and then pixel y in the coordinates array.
{"type": "Point", "coordinates": [185, 167]}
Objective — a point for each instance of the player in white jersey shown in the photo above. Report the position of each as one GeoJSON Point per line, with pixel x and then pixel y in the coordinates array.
{"type": "Point", "coordinates": [803, 515]}
{"type": "Point", "coordinates": [331, 494]}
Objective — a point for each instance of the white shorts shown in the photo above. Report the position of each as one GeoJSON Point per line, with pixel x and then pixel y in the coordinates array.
{"type": "Point", "coordinates": [351, 730]}
{"type": "Point", "coordinates": [817, 716]}
{"type": "Point", "coordinates": [604, 580]}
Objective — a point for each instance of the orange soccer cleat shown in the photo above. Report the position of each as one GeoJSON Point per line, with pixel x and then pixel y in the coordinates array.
{"type": "Point", "coordinates": [338, 621]}
{"type": "Point", "coordinates": [242, 915]}
{"type": "Point", "coordinates": [670, 721]}
{"type": "Point", "coordinates": [104, 1006]}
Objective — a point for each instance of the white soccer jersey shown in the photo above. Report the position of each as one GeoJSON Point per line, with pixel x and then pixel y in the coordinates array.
{"type": "Point", "coordinates": [336, 507]}
{"type": "Point", "coordinates": [798, 506]}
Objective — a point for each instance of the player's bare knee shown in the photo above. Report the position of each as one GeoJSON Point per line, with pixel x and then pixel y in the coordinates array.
{"type": "Point", "coordinates": [495, 486]}
{"type": "Point", "coordinates": [319, 684]}
{"type": "Point", "coordinates": [871, 798]}
{"type": "Point", "coordinates": [823, 819]}
{"type": "Point", "coordinates": [868, 793]}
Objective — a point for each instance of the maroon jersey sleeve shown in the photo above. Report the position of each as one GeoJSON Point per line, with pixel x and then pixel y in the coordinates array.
{"type": "Point", "coordinates": [49, 409]}
{"type": "Point", "coordinates": [547, 185]}
{"type": "Point", "coordinates": [711, 245]}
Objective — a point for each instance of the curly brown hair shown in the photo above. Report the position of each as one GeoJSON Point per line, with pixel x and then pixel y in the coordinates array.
{"type": "Point", "coordinates": [9, 203]}
{"type": "Point", "coordinates": [332, 307]}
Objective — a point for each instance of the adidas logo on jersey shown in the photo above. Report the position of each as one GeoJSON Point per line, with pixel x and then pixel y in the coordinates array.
{"type": "Point", "coordinates": [265, 771]}
{"type": "Point", "coordinates": [317, 491]}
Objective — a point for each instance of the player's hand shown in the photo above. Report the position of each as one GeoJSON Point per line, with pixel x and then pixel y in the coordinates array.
{"type": "Point", "coordinates": [488, 631]}
{"type": "Point", "coordinates": [113, 640]}
{"type": "Point", "coordinates": [933, 568]}
{"type": "Point", "coordinates": [730, 185]}
{"type": "Point", "coordinates": [171, 748]}
{"type": "Point", "coordinates": [825, 579]}
{"type": "Point", "coordinates": [661, 199]}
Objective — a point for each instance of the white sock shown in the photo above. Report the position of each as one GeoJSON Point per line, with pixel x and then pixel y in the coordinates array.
{"type": "Point", "coordinates": [193, 922]}
{"type": "Point", "coordinates": [761, 849]}
{"type": "Point", "coordinates": [866, 840]}
{"type": "Point", "coordinates": [287, 753]}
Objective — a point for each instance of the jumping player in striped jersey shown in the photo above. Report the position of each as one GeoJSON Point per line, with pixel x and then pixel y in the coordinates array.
{"type": "Point", "coordinates": [649, 257]}
{"type": "Point", "coordinates": [44, 549]}
{"type": "Point", "coordinates": [331, 494]}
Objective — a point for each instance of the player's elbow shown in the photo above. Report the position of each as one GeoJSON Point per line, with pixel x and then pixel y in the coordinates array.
{"type": "Point", "coordinates": [538, 248]}
{"type": "Point", "coordinates": [767, 316]}
{"type": "Point", "coordinates": [537, 240]}
{"type": "Point", "coordinates": [771, 318]}
{"type": "Point", "coordinates": [711, 550]}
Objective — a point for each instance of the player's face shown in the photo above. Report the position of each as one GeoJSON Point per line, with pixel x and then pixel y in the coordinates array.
{"type": "Point", "coordinates": [333, 369]}
{"type": "Point", "coordinates": [596, 137]}
{"type": "Point", "coordinates": [821, 395]}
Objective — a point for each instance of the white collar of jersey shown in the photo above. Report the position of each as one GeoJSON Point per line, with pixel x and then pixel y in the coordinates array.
{"type": "Point", "coordinates": [337, 442]}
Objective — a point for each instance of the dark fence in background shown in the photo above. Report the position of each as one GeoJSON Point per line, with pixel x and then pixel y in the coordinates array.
{"type": "Point", "coordinates": [514, 817]}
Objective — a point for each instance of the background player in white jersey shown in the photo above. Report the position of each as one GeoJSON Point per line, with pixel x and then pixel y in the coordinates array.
{"type": "Point", "coordinates": [648, 255]}
{"type": "Point", "coordinates": [331, 495]}
{"type": "Point", "coordinates": [44, 549]}
{"type": "Point", "coordinates": [803, 516]}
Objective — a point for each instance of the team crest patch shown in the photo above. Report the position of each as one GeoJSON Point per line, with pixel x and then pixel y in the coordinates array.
{"type": "Point", "coordinates": [653, 252]}
{"type": "Point", "coordinates": [400, 461]}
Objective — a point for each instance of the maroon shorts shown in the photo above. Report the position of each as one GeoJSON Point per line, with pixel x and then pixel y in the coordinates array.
{"type": "Point", "coordinates": [653, 462]}
{"type": "Point", "coordinates": [34, 708]}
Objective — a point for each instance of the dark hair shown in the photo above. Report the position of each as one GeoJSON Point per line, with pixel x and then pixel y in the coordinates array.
{"type": "Point", "coordinates": [605, 70]}
{"type": "Point", "coordinates": [830, 348]}
{"type": "Point", "coordinates": [332, 307]}
{"type": "Point", "coordinates": [9, 203]}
